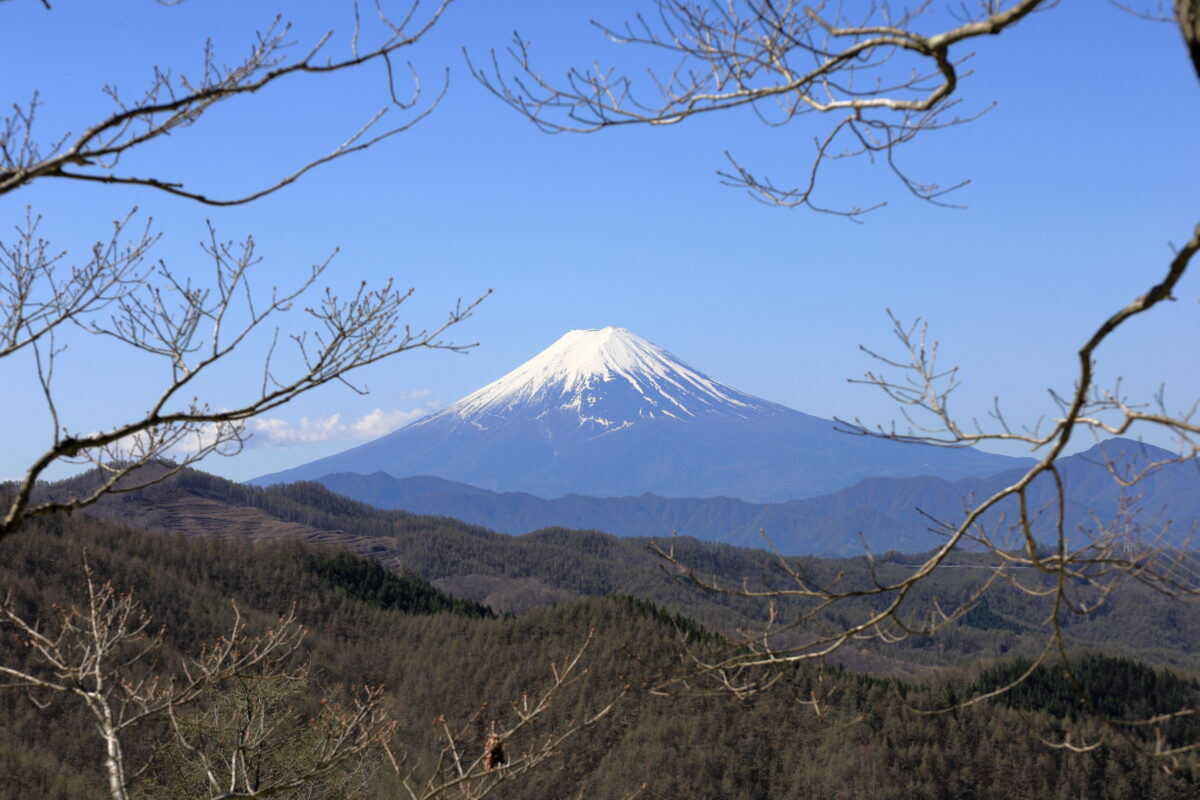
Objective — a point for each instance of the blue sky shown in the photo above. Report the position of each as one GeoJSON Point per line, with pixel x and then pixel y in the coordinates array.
{"type": "Point", "coordinates": [1081, 176]}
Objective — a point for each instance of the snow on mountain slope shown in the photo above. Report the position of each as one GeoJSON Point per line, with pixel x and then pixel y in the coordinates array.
{"type": "Point", "coordinates": [604, 412]}
{"type": "Point", "coordinates": [609, 378]}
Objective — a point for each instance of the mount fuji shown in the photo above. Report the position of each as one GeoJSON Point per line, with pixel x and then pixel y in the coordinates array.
{"type": "Point", "coordinates": [604, 412]}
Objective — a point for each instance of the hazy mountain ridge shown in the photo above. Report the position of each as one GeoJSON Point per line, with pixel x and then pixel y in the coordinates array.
{"type": "Point", "coordinates": [884, 513]}
{"type": "Point", "coordinates": [606, 413]}
{"type": "Point", "coordinates": [550, 566]}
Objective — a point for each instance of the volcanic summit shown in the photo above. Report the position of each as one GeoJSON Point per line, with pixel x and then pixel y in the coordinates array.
{"type": "Point", "coordinates": [605, 412]}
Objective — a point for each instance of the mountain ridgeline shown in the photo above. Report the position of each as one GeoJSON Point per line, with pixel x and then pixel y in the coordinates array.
{"type": "Point", "coordinates": [606, 413]}
{"type": "Point", "coordinates": [555, 565]}
{"type": "Point", "coordinates": [879, 513]}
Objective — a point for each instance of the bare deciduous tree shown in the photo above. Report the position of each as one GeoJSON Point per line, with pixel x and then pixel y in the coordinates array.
{"type": "Point", "coordinates": [103, 655]}
{"type": "Point", "coordinates": [882, 83]}
{"type": "Point", "coordinates": [519, 740]}
{"type": "Point", "coordinates": [252, 736]}
{"type": "Point", "coordinates": [228, 722]}
{"type": "Point", "coordinates": [193, 330]}
{"type": "Point", "coordinates": [194, 327]}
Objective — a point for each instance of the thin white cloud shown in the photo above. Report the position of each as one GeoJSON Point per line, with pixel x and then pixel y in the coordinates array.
{"type": "Point", "coordinates": [272, 432]}
{"type": "Point", "coordinates": [380, 422]}
{"type": "Point", "coordinates": [275, 432]}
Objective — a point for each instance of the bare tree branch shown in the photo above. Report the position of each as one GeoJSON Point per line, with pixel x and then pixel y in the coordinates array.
{"type": "Point", "coordinates": [38, 294]}
{"type": "Point", "coordinates": [883, 82]}
{"type": "Point", "coordinates": [1187, 14]}
{"type": "Point", "coordinates": [192, 330]}
{"type": "Point", "coordinates": [172, 102]}
{"type": "Point", "coordinates": [517, 743]}
{"type": "Point", "coordinates": [1033, 551]}
{"type": "Point", "coordinates": [101, 654]}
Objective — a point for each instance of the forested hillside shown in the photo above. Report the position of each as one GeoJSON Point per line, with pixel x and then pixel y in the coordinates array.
{"type": "Point", "coordinates": [821, 732]}
{"type": "Point", "coordinates": [520, 573]}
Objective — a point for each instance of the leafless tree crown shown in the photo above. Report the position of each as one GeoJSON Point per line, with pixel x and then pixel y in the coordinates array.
{"type": "Point", "coordinates": [192, 327]}
{"type": "Point", "coordinates": [226, 717]}
{"type": "Point", "coordinates": [103, 654]}
{"type": "Point", "coordinates": [191, 330]}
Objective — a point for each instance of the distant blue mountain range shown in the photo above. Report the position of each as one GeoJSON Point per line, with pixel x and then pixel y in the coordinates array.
{"type": "Point", "coordinates": [879, 513]}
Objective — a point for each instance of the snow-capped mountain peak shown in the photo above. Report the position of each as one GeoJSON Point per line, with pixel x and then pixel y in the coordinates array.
{"type": "Point", "coordinates": [607, 377]}
{"type": "Point", "coordinates": [605, 412]}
